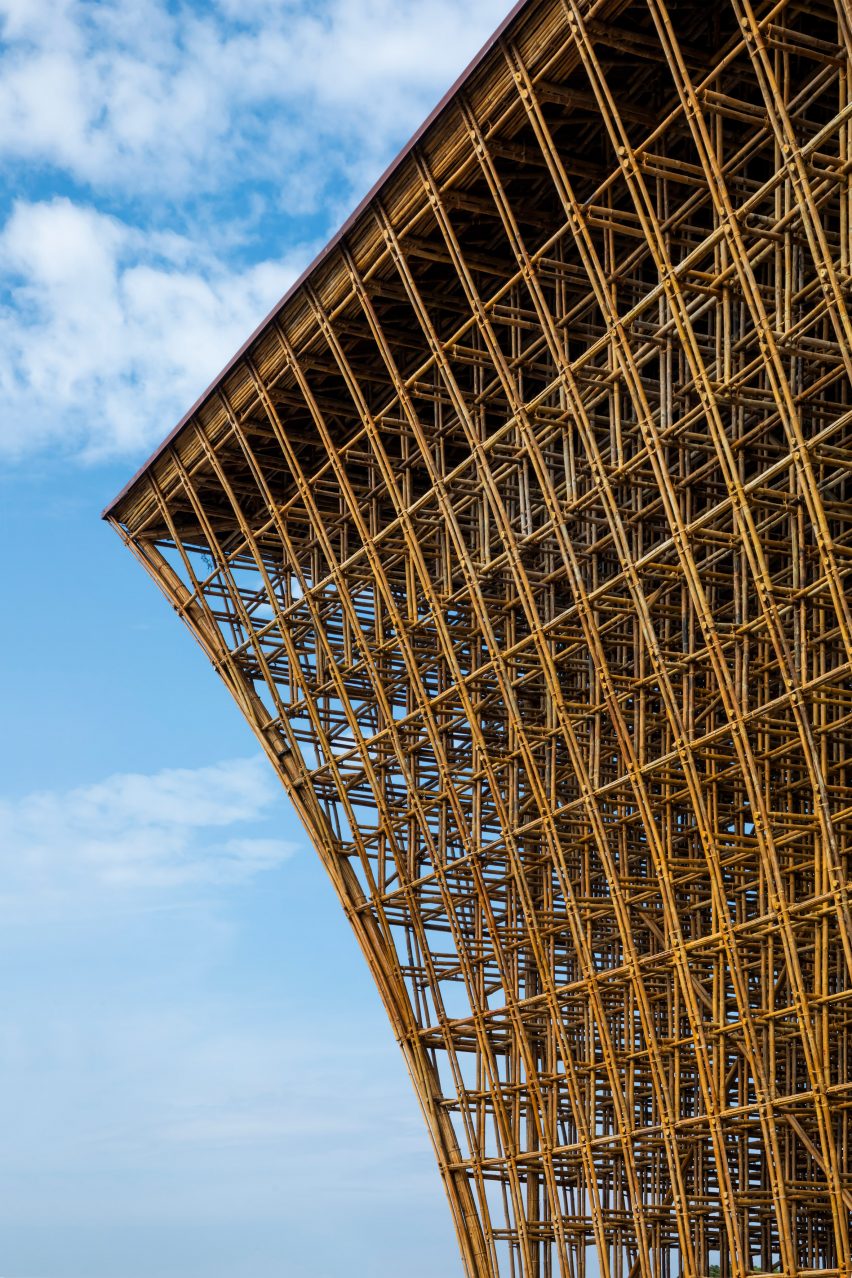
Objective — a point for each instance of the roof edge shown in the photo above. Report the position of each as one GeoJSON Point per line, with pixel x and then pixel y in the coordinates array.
{"type": "Point", "coordinates": [473, 65]}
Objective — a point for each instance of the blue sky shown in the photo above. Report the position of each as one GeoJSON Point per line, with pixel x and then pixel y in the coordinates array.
{"type": "Point", "coordinates": [197, 1077]}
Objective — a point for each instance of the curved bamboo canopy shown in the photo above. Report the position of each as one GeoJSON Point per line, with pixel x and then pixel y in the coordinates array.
{"type": "Point", "coordinates": [521, 535]}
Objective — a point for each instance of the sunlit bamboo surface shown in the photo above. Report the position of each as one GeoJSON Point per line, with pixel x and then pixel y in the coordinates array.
{"type": "Point", "coordinates": [521, 535]}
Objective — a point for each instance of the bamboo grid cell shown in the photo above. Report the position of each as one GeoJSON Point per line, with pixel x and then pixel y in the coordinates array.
{"type": "Point", "coordinates": [521, 535]}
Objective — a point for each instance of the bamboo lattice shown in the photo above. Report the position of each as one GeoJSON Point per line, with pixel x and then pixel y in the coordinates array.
{"type": "Point", "coordinates": [521, 535]}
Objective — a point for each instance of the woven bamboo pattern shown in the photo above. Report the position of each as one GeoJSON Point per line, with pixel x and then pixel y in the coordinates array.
{"type": "Point", "coordinates": [521, 535]}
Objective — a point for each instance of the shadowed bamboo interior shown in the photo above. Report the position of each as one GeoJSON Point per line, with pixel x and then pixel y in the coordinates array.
{"type": "Point", "coordinates": [521, 536]}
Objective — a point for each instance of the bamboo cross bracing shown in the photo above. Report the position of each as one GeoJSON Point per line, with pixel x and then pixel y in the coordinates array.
{"type": "Point", "coordinates": [520, 533]}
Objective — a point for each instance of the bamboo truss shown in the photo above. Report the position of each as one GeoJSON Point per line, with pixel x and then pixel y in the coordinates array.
{"type": "Point", "coordinates": [521, 535]}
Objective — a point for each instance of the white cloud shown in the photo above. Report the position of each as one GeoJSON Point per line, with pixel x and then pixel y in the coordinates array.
{"type": "Point", "coordinates": [132, 831]}
{"type": "Point", "coordinates": [203, 119]}
{"type": "Point", "coordinates": [107, 334]}
{"type": "Point", "coordinates": [157, 97]}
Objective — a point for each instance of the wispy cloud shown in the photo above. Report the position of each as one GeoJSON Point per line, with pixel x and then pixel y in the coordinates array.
{"type": "Point", "coordinates": [168, 1066]}
{"type": "Point", "coordinates": [130, 832]}
{"type": "Point", "coordinates": [226, 1124]}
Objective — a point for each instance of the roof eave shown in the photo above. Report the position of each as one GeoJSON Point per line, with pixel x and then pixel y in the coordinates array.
{"type": "Point", "coordinates": [111, 511]}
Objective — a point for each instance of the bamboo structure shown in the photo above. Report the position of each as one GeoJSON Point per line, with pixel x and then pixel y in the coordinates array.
{"type": "Point", "coordinates": [520, 532]}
